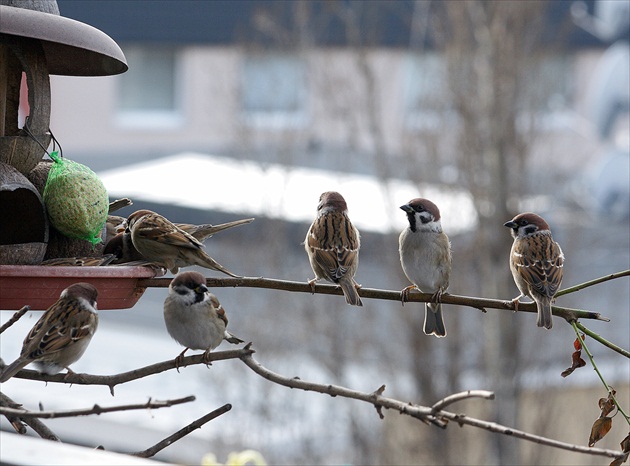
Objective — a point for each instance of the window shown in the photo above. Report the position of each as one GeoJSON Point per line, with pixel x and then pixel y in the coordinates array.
{"type": "Point", "coordinates": [273, 91]}
{"type": "Point", "coordinates": [148, 94]}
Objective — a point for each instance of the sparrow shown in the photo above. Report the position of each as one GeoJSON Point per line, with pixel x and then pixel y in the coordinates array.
{"type": "Point", "coordinates": [332, 244]}
{"type": "Point", "coordinates": [194, 317]}
{"type": "Point", "coordinates": [536, 263]}
{"type": "Point", "coordinates": [163, 243]}
{"type": "Point", "coordinates": [114, 225]}
{"type": "Point", "coordinates": [61, 335]}
{"type": "Point", "coordinates": [124, 251]}
{"type": "Point", "coordinates": [425, 256]}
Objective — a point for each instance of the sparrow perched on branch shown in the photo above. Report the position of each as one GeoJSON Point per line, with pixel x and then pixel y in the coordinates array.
{"type": "Point", "coordinates": [536, 262]}
{"type": "Point", "coordinates": [332, 244]}
{"type": "Point", "coordinates": [122, 246]}
{"type": "Point", "coordinates": [425, 256]}
{"type": "Point", "coordinates": [61, 335]}
{"type": "Point", "coordinates": [164, 243]}
{"type": "Point", "coordinates": [194, 317]}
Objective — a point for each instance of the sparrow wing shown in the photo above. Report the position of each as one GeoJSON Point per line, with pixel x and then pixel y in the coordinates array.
{"type": "Point", "coordinates": [154, 227]}
{"type": "Point", "coordinates": [539, 262]}
{"type": "Point", "coordinates": [65, 323]}
{"type": "Point", "coordinates": [335, 244]}
{"type": "Point", "coordinates": [205, 231]}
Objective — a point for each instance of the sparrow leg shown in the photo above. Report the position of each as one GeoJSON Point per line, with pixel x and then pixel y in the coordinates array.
{"type": "Point", "coordinates": [515, 301]}
{"type": "Point", "coordinates": [68, 373]}
{"type": "Point", "coordinates": [404, 294]}
{"type": "Point", "coordinates": [179, 359]}
{"type": "Point", "coordinates": [311, 284]}
{"type": "Point", "coordinates": [437, 296]}
{"type": "Point", "coordinates": [206, 357]}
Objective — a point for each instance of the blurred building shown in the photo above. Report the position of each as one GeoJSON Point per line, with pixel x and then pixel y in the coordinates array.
{"type": "Point", "coordinates": [353, 88]}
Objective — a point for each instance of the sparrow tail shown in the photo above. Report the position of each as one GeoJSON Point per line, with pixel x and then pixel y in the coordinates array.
{"type": "Point", "coordinates": [544, 313]}
{"type": "Point", "coordinates": [208, 262]}
{"type": "Point", "coordinates": [230, 338]}
{"type": "Point", "coordinates": [350, 292]}
{"type": "Point", "coordinates": [433, 321]}
{"type": "Point", "coordinates": [13, 369]}
{"type": "Point", "coordinates": [206, 231]}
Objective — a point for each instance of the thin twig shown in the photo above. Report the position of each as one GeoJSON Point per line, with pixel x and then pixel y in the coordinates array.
{"type": "Point", "coordinates": [596, 281]}
{"type": "Point", "coordinates": [444, 402]}
{"type": "Point", "coordinates": [372, 293]}
{"type": "Point", "coordinates": [38, 426]}
{"type": "Point", "coordinates": [602, 340]}
{"type": "Point", "coordinates": [17, 316]}
{"type": "Point", "coordinates": [112, 380]}
{"type": "Point", "coordinates": [96, 409]}
{"type": "Point", "coordinates": [420, 412]}
{"type": "Point", "coordinates": [596, 369]}
{"type": "Point", "coordinates": [149, 452]}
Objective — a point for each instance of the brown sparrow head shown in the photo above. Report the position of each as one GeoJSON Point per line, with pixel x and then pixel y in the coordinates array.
{"type": "Point", "coordinates": [332, 244]}
{"type": "Point", "coordinates": [425, 256]}
{"type": "Point", "coordinates": [113, 226]}
{"type": "Point", "coordinates": [163, 243]}
{"type": "Point", "coordinates": [193, 316]}
{"type": "Point", "coordinates": [123, 250]}
{"type": "Point", "coordinates": [61, 335]}
{"type": "Point", "coordinates": [536, 262]}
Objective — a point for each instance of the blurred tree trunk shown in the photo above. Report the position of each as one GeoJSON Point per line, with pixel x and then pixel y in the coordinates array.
{"type": "Point", "coordinates": [486, 55]}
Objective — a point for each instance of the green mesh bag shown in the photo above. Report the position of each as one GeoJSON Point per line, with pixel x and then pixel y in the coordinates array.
{"type": "Point", "coordinates": [76, 200]}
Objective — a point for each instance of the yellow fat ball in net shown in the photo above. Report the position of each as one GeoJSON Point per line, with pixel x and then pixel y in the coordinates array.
{"type": "Point", "coordinates": [76, 200]}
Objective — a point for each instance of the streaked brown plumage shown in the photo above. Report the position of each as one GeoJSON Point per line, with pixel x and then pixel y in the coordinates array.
{"type": "Point", "coordinates": [164, 243]}
{"type": "Point", "coordinates": [536, 263]}
{"type": "Point", "coordinates": [122, 246]}
{"type": "Point", "coordinates": [61, 335]}
{"type": "Point", "coordinates": [332, 244]}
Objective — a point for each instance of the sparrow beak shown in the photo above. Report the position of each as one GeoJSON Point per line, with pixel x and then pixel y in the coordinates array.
{"type": "Point", "coordinates": [407, 208]}
{"type": "Point", "coordinates": [510, 224]}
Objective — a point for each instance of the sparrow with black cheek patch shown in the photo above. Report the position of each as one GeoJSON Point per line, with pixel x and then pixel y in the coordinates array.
{"type": "Point", "coordinates": [194, 317]}
{"type": "Point", "coordinates": [61, 335]}
{"type": "Point", "coordinates": [164, 243]}
{"type": "Point", "coordinates": [332, 244]}
{"type": "Point", "coordinates": [536, 263]}
{"type": "Point", "coordinates": [425, 256]}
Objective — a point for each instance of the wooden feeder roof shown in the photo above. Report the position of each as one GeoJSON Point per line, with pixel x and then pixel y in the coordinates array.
{"type": "Point", "coordinates": [71, 48]}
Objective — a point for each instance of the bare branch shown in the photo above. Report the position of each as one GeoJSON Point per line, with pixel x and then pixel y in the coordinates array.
{"type": "Point", "coordinates": [96, 409]}
{"type": "Point", "coordinates": [601, 377]}
{"type": "Point", "coordinates": [444, 402]}
{"type": "Point", "coordinates": [38, 426]}
{"type": "Point", "coordinates": [602, 340]}
{"type": "Point", "coordinates": [17, 316]}
{"type": "Point", "coordinates": [372, 293]}
{"type": "Point", "coordinates": [422, 413]}
{"type": "Point", "coordinates": [596, 281]}
{"type": "Point", "coordinates": [149, 452]}
{"type": "Point", "coordinates": [112, 380]}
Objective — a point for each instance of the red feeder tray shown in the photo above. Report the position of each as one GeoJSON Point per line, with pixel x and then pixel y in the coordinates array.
{"type": "Point", "coordinates": [40, 286]}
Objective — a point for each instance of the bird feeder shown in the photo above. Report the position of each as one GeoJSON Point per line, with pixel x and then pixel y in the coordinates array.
{"type": "Point", "coordinates": [35, 42]}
